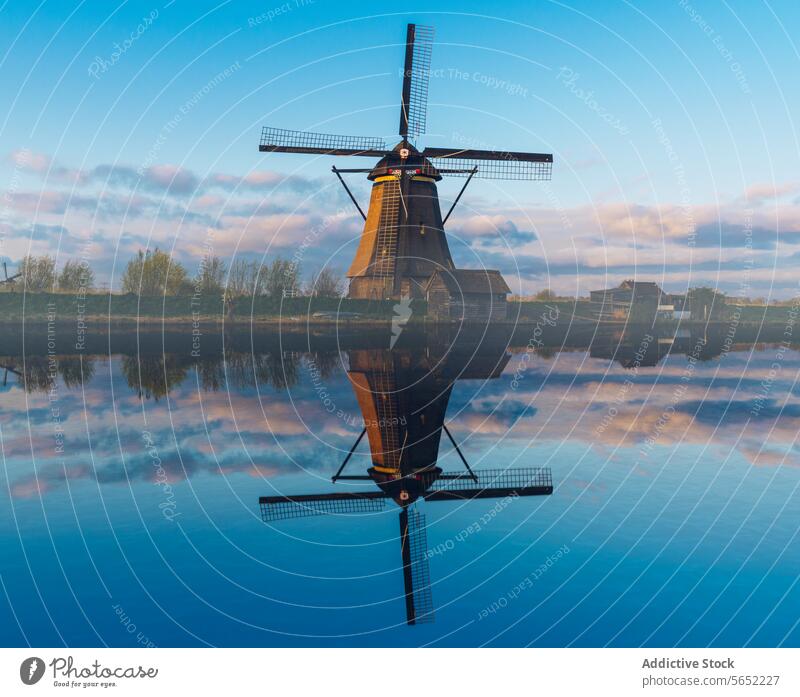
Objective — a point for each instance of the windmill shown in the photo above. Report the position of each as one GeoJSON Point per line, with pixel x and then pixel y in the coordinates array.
{"type": "Point", "coordinates": [8, 279]}
{"type": "Point", "coordinates": [9, 368]}
{"type": "Point", "coordinates": [403, 239]}
{"type": "Point", "coordinates": [403, 397]}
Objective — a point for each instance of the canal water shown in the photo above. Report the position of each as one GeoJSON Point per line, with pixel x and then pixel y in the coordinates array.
{"type": "Point", "coordinates": [132, 475]}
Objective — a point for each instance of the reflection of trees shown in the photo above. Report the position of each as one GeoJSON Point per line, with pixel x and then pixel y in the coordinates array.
{"type": "Point", "coordinates": [36, 373]}
{"type": "Point", "coordinates": [239, 370]}
{"type": "Point", "coordinates": [275, 369]}
{"type": "Point", "coordinates": [152, 377]}
{"type": "Point", "coordinates": [326, 362]}
{"type": "Point", "coordinates": [278, 370]}
{"type": "Point", "coordinates": [75, 371]}
{"type": "Point", "coordinates": [211, 374]}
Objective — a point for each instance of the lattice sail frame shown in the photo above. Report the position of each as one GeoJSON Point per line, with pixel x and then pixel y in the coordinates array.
{"type": "Point", "coordinates": [286, 138]}
{"type": "Point", "coordinates": [286, 507]}
{"type": "Point", "coordinates": [513, 478]}
{"type": "Point", "coordinates": [420, 73]}
{"type": "Point", "coordinates": [503, 168]}
{"type": "Point", "coordinates": [420, 567]}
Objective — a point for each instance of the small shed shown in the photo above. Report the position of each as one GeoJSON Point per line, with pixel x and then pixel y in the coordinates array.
{"type": "Point", "coordinates": [477, 295]}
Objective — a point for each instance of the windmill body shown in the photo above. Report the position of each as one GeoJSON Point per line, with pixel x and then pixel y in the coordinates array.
{"type": "Point", "coordinates": [403, 404]}
{"type": "Point", "coordinates": [403, 240]}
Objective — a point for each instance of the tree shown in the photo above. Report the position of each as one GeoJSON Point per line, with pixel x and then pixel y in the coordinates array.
{"type": "Point", "coordinates": [281, 278]}
{"type": "Point", "coordinates": [75, 276]}
{"type": "Point", "coordinates": [546, 294]}
{"type": "Point", "coordinates": [326, 284]}
{"type": "Point", "coordinates": [244, 278]}
{"type": "Point", "coordinates": [38, 273]}
{"type": "Point", "coordinates": [154, 273]}
{"type": "Point", "coordinates": [210, 275]}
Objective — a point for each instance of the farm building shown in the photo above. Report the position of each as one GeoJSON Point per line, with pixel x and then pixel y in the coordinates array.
{"type": "Point", "coordinates": [644, 301]}
{"type": "Point", "coordinates": [465, 294]}
{"type": "Point", "coordinates": [636, 300]}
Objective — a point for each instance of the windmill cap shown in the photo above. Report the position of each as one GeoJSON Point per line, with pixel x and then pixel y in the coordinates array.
{"type": "Point", "coordinates": [393, 163]}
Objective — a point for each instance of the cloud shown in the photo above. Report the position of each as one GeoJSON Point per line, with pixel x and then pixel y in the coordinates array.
{"type": "Point", "coordinates": [495, 227]}
{"type": "Point", "coordinates": [28, 161]}
{"type": "Point", "coordinates": [759, 193]}
{"type": "Point", "coordinates": [262, 181]}
{"type": "Point", "coordinates": [731, 235]}
{"type": "Point", "coordinates": [167, 179]}
{"type": "Point", "coordinates": [164, 178]}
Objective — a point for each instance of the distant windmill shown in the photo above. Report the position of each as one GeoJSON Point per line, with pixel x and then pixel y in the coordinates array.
{"type": "Point", "coordinates": [8, 279]}
{"type": "Point", "coordinates": [403, 396]}
{"type": "Point", "coordinates": [403, 240]}
{"type": "Point", "coordinates": [9, 368]}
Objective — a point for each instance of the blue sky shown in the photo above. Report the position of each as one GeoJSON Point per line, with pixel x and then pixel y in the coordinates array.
{"type": "Point", "coordinates": [671, 124]}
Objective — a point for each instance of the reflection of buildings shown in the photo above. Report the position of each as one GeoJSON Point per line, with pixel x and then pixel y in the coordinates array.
{"type": "Point", "coordinates": [403, 397]}
{"type": "Point", "coordinates": [645, 301]}
{"type": "Point", "coordinates": [644, 348]}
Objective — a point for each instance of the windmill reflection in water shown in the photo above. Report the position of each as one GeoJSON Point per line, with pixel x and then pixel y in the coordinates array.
{"type": "Point", "coordinates": [403, 397]}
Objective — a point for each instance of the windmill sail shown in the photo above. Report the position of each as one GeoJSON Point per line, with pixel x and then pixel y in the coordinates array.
{"type": "Point", "coordinates": [416, 76]}
{"type": "Point", "coordinates": [307, 505]}
{"type": "Point", "coordinates": [492, 483]}
{"type": "Point", "coordinates": [416, 569]}
{"type": "Point", "coordinates": [491, 164]}
{"type": "Point", "coordinates": [308, 142]}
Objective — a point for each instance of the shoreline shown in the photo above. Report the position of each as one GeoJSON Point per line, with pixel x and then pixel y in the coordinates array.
{"type": "Point", "coordinates": [99, 321]}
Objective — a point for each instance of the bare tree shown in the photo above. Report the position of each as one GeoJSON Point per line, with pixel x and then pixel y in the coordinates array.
{"type": "Point", "coordinates": [244, 278]}
{"type": "Point", "coordinates": [210, 275]}
{"type": "Point", "coordinates": [281, 278]}
{"type": "Point", "coordinates": [326, 284]}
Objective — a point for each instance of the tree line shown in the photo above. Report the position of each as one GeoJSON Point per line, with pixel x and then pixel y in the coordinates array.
{"type": "Point", "coordinates": [156, 273]}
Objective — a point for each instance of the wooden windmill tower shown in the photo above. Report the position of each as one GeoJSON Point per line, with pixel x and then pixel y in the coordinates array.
{"type": "Point", "coordinates": [403, 241]}
{"type": "Point", "coordinates": [403, 396]}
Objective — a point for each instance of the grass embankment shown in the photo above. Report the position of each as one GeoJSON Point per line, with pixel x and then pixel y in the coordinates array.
{"type": "Point", "coordinates": [580, 310]}
{"type": "Point", "coordinates": [102, 307]}
{"type": "Point", "coordinates": [105, 307]}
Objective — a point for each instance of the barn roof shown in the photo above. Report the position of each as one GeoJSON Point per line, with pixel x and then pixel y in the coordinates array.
{"type": "Point", "coordinates": [471, 281]}
{"type": "Point", "coordinates": [637, 287]}
{"type": "Point", "coordinates": [640, 285]}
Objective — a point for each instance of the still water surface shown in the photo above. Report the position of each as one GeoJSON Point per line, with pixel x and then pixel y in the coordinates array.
{"type": "Point", "coordinates": [130, 515]}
